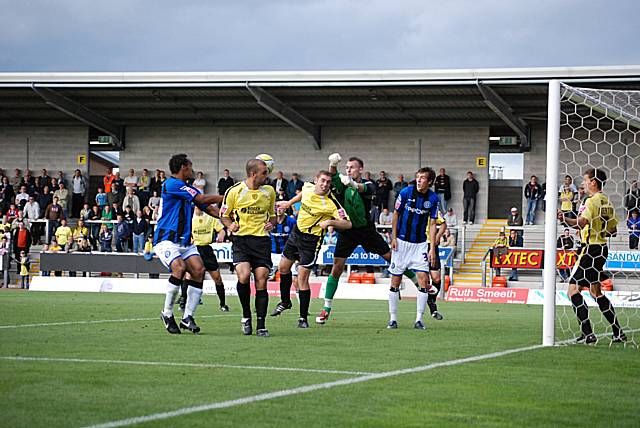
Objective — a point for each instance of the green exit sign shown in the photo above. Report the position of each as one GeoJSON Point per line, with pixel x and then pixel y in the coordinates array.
{"type": "Point", "coordinates": [105, 139]}
{"type": "Point", "coordinates": [508, 141]}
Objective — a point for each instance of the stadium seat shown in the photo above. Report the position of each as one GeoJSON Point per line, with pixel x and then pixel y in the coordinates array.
{"type": "Point", "coordinates": [368, 278]}
{"type": "Point", "coordinates": [499, 281]}
{"type": "Point", "coordinates": [606, 285]}
{"type": "Point", "coordinates": [355, 278]}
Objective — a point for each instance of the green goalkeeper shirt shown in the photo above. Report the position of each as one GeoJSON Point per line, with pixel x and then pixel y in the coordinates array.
{"type": "Point", "coordinates": [356, 204]}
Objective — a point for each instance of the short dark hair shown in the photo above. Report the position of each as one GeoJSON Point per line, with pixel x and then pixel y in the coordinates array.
{"type": "Point", "coordinates": [177, 162]}
{"type": "Point", "coordinates": [323, 172]}
{"type": "Point", "coordinates": [357, 159]}
{"type": "Point", "coordinates": [431, 174]}
{"type": "Point", "coordinates": [599, 175]}
{"type": "Point", "coordinates": [252, 166]}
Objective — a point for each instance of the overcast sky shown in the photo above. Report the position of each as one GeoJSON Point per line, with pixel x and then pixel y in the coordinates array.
{"type": "Point", "coordinates": [198, 35]}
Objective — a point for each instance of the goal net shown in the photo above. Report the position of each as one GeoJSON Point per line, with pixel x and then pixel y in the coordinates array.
{"type": "Point", "coordinates": [593, 129]}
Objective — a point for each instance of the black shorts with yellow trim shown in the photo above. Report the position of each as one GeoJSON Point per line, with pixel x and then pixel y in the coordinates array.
{"type": "Point", "coordinates": [255, 250]}
{"type": "Point", "coordinates": [589, 268]}
{"type": "Point", "coordinates": [302, 247]}
{"type": "Point", "coordinates": [209, 258]}
{"type": "Point", "coordinates": [436, 265]}
{"type": "Point", "coordinates": [367, 236]}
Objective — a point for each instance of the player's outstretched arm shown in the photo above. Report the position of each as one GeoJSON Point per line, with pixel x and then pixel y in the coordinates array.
{"type": "Point", "coordinates": [340, 224]}
{"type": "Point", "coordinates": [576, 223]}
{"type": "Point", "coordinates": [334, 160]}
{"type": "Point", "coordinates": [208, 199]}
{"type": "Point", "coordinates": [213, 211]}
{"type": "Point", "coordinates": [285, 205]}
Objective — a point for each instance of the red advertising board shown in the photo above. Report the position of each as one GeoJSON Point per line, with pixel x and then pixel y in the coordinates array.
{"type": "Point", "coordinates": [531, 259]}
{"type": "Point", "coordinates": [487, 295]}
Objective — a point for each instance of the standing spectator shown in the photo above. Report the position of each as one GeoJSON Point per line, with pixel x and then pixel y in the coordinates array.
{"type": "Point", "coordinates": [154, 200]}
{"type": "Point", "coordinates": [398, 186]}
{"type": "Point", "coordinates": [442, 186]}
{"type": "Point", "coordinates": [32, 212]}
{"type": "Point", "coordinates": [7, 194]}
{"type": "Point", "coordinates": [543, 198]}
{"type": "Point", "coordinates": [200, 182]}
{"type": "Point", "coordinates": [37, 186]}
{"type": "Point", "coordinates": [633, 224]}
{"type": "Point", "coordinates": [54, 214]}
{"type": "Point", "coordinates": [78, 189]}
{"type": "Point", "coordinates": [470, 189]}
{"type": "Point", "coordinates": [567, 195]}
{"type": "Point", "coordinates": [131, 200]}
{"type": "Point", "coordinates": [107, 216]}
{"type": "Point", "coordinates": [293, 186]}
{"type": "Point", "coordinates": [139, 231]}
{"type": "Point", "coordinates": [128, 214]}
{"type": "Point", "coordinates": [155, 184]}
{"type": "Point", "coordinates": [5, 250]}
{"type": "Point", "coordinates": [280, 185]}
{"type": "Point", "coordinates": [225, 182]}
{"type": "Point", "coordinates": [62, 179]}
{"type": "Point", "coordinates": [63, 198]}
{"type": "Point", "coordinates": [29, 179]}
{"type": "Point", "coordinates": [45, 180]}
{"type": "Point", "coordinates": [131, 181]}
{"type": "Point", "coordinates": [565, 242]}
{"type": "Point", "coordinates": [515, 220]}
{"type": "Point", "coordinates": [107, 180]}
{"type": "Point", "coordinates": [632, 198]}
{"type": "Point", "coordinates": [21, 242]}
{"type": "Point", "coordinates": [568, 181]}
{"type": "Point", "coordinates": [123, 234]}
{"type": "Point", "coordinates": [385, 217]}
{"type": "Point", "coordinates": [22, 197]}
{"type": "Point", "coordinates": [24, 264]}
{"type": "Point", "coordinates": [101, 199]}
{"type": "Point", "coordinates": [144, 184]}
{"type": "Point", "coordinates": [54, 184]}
{"type": "Point", "coordinates": [105, 237]}
{"type": "Point", "coordinates": [532, 193]}
{"type": "Point", "coordinates": [120, 181]}
{"type": "Point", "coordinates": [64, 235]}
{"type": "Point", "coordinates": [94, 226]}
{"type": "Point", "coordinates": [44, 199]}
{"type": "Point", "coordinates": [117, 194]}
{"type": "Point", "coordinates": [500, 249]}
{"type": "Point", "coordinates": [12, 213]}
{"type": "Point", "coordinates": [515, 240]}
{"type": "Point", "coordinates": [383, 189]}
{"type": "Point", "coordinates": [17, 180]}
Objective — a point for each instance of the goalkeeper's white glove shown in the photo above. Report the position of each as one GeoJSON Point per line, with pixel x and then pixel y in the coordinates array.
{"type": "Point", "coordinates": [334, 159]}
{"type": "Point", "coordinates": [348, 181]}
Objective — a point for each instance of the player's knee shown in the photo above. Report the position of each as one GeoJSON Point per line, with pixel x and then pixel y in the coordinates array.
{"type": "Point", "coordinates": [198, 273]}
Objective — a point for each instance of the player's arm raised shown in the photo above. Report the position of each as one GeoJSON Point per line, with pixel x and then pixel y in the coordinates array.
{"type": "Point", "coordinates": [334, 160]}
{"type": "Point", "coordinates": [285, 205]}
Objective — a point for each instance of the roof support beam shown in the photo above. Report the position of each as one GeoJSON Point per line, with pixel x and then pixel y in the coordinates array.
{"type": "Point", "coordinates": [81, 113]}
{"type": "Point", "coordinates": [504, 111]}
{"type": "Point", "coordinates": [287, 114]}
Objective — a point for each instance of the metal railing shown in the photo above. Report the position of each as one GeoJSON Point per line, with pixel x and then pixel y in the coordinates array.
{"type": "Point", "coordinates": [483, 265]}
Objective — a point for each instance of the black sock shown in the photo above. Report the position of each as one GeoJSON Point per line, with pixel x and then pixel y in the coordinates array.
{"type": "Point", "coordinates": [285, 287]}
{"type": "Point", "coordinates": [431, 299]}
{"type": "Point", "coordinates": [609, 313]}
{"type": "Point", "coordinates": [244, 294]}
{"type": "Point", "coordinates": [220, 293]}
{"type": "Point", "coordinates": [582, 312]}
{"type": "Point", "coordinates": [183, 291]}
{"type": "Point", "coordinates": [305, 299]}
{"type": "Point", "coordinates": [262, 302]}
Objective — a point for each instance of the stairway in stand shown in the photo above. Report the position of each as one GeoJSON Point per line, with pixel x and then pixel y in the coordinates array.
{"type": "Point", "coordinates": [470, 272]}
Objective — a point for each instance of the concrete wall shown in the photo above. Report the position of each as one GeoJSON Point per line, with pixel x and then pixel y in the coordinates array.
{"type": "Point", "coordinates": [54, 148]}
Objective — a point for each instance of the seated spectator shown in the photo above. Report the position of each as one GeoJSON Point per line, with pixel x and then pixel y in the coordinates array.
{"type": "Point", "coordinates": [515, 220]}
{"type": "Point", "coordinates": [448, 240]}
{"type": "Point", "coordinates": [451, 219]}
{"type": "Point", "coordinates": [515, 240]}
{"type": "Point", "coordinates": [22, 198]}
{"type": "Point", "coordinates": [107, 216]}
{"type": "Point", "coordinates": [55, 248]}
{"type": "Point", "coordinates": [128, 214]}
{"type": "Point", "coordinates": [633, 224]}
{"type": "Point", "coordinates": [385, 217]}
{"type": "Point", "coordinates": [122, 234]}
{"type": "Point", "coordinates": [80, 232]}
{"type": "Point", "coordinates": [331, 237]}
{"type": "Point", "coordinates": [64, 235]}
{"type": "Point", "coordinates": [105, 238]}
{"type": "Point", "coordinates": [500, 249]}
{"type": "Point", "coordinates": [85, 212]}
{"type": "Point", "coordinates": [200, 182]}
{"type": "Point", "coordinates": [12, 213]}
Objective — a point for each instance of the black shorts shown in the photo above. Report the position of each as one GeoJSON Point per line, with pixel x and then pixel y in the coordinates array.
{"type": "Point", "coordinates": [436, 265]}
{"type": "Point", "coordinates": [589, 269]}
{"type": "Point", "coordinates": [302, 247]}
{"type": "Point", "coordinates": [208, 257]}
{"type": "Point", "coordinates": [255, 250]}
{"type": "Point", "coordinates": [367, 236]}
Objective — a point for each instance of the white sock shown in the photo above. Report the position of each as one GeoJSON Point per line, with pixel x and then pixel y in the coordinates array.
{"type": "Point", "coordinates": [328, 303]}
{"type": "Point", "coordinates": [394, 298]}
{"type": "Point", "coordinates": [432, 289]}
{"type": "Point", "coordinates": [421, 303]}
{"type": "Point", "coordinates": [169, 298]}
{"type": "Point", "coordinates": [193, 298]}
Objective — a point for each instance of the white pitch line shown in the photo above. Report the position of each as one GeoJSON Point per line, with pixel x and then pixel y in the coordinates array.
{"type": "Point", "coordinates": [173, 364]}
{"type": "Point", "coordinates": [63, 323]}
{"type": "Point", "coordinates": [305, 389]}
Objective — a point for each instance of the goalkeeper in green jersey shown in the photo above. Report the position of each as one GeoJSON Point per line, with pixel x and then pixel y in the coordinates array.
{"type": "Point", "coordinates": [355, 194]}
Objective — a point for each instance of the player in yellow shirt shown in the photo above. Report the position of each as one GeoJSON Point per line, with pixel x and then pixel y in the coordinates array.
{"type": "Point", "coordinates": [319, 209]}
{"type": "Point", "coordinates": [435, 268]}
{"type": "Point", "coordinates": [248, 212]}
{"type": "Point", "coordinates": [204, 230]}
{"type": "Point", "coordinates": [597, 222]}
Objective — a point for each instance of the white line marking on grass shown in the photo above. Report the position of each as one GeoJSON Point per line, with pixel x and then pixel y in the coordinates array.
{"type": "Point", "coordinates": [174, 364]}
{"type": "Point", "coordinates": [308, 388]}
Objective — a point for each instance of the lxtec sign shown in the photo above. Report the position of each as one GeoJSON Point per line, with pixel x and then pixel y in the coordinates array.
{"type": "Point", "coordinates": [531, 259]}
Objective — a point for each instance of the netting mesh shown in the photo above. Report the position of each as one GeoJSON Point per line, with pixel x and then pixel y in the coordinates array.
{"type": "Point", "coordinates": [600, 129]}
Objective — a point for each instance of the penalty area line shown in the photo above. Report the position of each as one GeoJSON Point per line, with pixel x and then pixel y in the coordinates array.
{"type": "Point", "coordinates": [176, 364]}
{"type": "Point", "coordinates": [305, 389]}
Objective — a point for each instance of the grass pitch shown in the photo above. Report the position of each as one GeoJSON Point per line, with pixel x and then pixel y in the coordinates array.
{"type": "Point", "coordinates": [83, 370]}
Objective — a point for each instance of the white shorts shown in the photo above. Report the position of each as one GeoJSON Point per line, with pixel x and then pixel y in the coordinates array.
{"type": "Point", "coordinates": [275, 259]}
{"type": "Point", "coordinates": [409, 256]}
{"type": "Point", "coordinates": [168, 251]}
